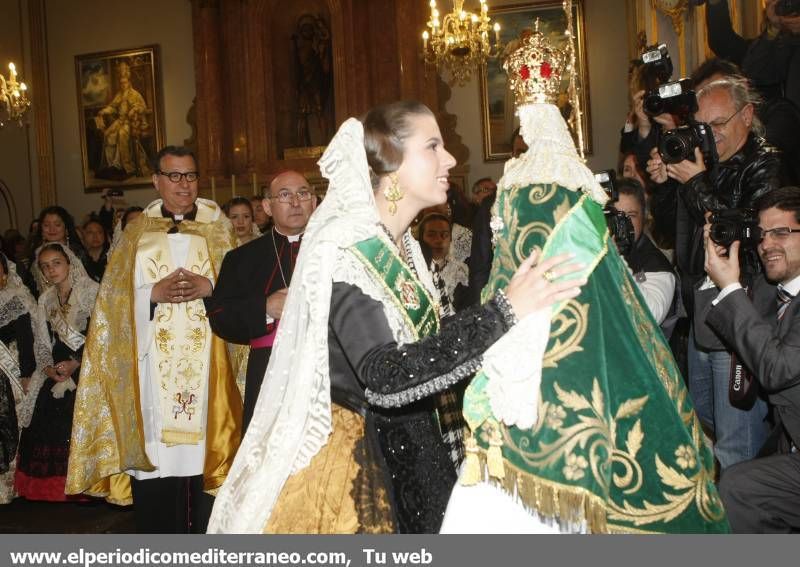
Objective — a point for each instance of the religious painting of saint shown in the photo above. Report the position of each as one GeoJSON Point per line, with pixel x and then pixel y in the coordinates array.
{"type": "Point", "coordinates": [121, 116]}
{"type": "Point", "coordinates": [498, 111]}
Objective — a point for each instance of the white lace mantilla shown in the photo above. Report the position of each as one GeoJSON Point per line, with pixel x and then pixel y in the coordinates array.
{"type": "Point", "coordinates": [460, 242]}
{"type": "Point", "coordinates": [551, 155]}
{"type": "Point", "coordinates": [292, 418]}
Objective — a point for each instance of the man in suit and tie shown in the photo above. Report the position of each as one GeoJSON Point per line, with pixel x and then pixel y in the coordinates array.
{"type": "Point", "coordinates": [763, 495]}
{"type": "Point", "coordinates": [247, 302]}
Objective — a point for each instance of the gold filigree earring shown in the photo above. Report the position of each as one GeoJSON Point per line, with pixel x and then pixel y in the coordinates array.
{"type": "Point", "coordinates": [393, 193]}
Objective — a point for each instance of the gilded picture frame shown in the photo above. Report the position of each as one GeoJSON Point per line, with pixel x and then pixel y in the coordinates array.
{"type": "Point", "coordinates": [498, 120]}
{"type": "Point", "coordinates": [120, 116]}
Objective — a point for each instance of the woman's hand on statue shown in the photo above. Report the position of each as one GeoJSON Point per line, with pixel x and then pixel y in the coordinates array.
{"type": "Point", "coordinates": [534, 286]}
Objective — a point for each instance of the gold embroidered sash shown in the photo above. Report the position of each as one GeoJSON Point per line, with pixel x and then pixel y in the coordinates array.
{"type": "Point", "coordinates": [8, 362]}
{"type": "Point", "coordinates": [69, 336]}
{"type": "Point", "coordinates": [405, 289]}
{"type": "Point", "coordinates": [181, 341]}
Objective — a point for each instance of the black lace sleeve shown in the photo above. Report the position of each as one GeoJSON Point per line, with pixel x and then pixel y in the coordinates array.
{"type": "Point", "coordinates": [395, 375]}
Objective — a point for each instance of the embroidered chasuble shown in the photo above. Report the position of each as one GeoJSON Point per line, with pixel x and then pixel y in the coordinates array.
{"type": "Point", "coordinates": [157, 396]}
{"type": "Point", "coordinates": [616, 445]}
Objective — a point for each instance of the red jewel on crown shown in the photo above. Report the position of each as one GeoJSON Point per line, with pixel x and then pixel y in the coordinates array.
{"type": "Point", "coordinates": [545, 70]}
{"type": "Point", "coordinates": [525, 73]}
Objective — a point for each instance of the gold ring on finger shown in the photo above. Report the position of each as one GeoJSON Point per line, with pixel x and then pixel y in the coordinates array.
{"type": "Point", "coordinates": [549, 275]}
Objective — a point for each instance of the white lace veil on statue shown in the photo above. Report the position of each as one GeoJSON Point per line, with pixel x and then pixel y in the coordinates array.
{"type": "Point", "coordinates": [292, 417]}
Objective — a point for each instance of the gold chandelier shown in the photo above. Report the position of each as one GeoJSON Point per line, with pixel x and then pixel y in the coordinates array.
{"type": "Point", "coordinates": [460, 42]}
{"type": "Point", "coordinates": [14, 101]}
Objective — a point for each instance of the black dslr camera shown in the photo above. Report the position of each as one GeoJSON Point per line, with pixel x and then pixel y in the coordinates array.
{"type": "Point", "coordinates": [676, 98]}
{"type": "Point", "coordinates": [619, 225]}
{"type": "Point", "coordinates": [678, 144]}
{"type": "Point", "coordinates": [656, 67]}
{"type": "Point", "coordinates": [787, 8]}
{"type": "Point", "coordinates": [730, 225]}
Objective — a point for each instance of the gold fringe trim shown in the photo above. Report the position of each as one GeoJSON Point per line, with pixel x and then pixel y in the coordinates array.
{"type": "Point", "coordinates": [172, 437]}
{"type": "Point", "coordinates": [494, 456]}
{"type": "Point", "coordinates": [570, 506]}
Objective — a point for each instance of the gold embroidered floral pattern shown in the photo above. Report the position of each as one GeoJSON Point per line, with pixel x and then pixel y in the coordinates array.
{"type": "Point", "coordinates": [582, 423]}
{"type": "Point", "coordinates": [540, 194]}
{"type": "Point", "coordinates": [196, 337]}
{"type": "Point", "coordinates": [567, 330]}
{"type": "Point", "coordinates": [574, 467]}
{"type": "Point", "coordinates": [163, 339]}
{"type": "Point", "coordinates": [555, 417]}
{"type": "Point", "coordinates": [684, 456]}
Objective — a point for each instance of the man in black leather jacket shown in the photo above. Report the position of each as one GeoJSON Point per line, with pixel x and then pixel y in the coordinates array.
{"type": "Point", "coordinates": [747, 169]}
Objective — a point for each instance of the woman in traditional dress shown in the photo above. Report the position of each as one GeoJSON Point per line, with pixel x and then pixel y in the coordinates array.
{"type": "Point", "coordinates": [55, 225]}
{"type": "Point", "coordinates": [66, 305]}
{"type": "Point", "coordinates": [23, 351]}
{"type": "Point", "coordinates": [344, 438]}
{"type": "Point", "coordinates": [240, 211]}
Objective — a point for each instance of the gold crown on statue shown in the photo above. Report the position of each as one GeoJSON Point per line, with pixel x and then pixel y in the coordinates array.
{"type": "Point", "coordinates": [534, 69]}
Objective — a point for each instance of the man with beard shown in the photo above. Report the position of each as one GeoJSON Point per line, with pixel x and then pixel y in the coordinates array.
{"type": "Point", "coordinates": [763, 495]}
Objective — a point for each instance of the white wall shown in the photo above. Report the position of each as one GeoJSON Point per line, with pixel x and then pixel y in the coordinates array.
{"type": "Point", "coordinates": [89, 26]}
{"type": "Point", "coordinates": [607, 59]}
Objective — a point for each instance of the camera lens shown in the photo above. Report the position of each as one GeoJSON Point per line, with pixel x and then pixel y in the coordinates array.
{"type": "Point", "coordinates": [675, 147]}
{"type": "Point", "coordinates": [653, 104]}
{"type": "Point", "coordinates": [723, 233]}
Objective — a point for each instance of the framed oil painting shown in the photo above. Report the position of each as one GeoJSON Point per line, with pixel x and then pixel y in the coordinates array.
{"type": "Point", "coordinates": [499, 120]}
{"type": "Point", "coordinates": [121, 116]}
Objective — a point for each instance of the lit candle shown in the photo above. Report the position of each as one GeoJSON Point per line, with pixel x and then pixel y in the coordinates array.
{"type": "Point", "coordinates": [255, 182]}
{"type": "Point", "coordinates": [497, 33]}
{"type": "Point", "coordinates": [213, 189]}
{"type": "Point", "coordinates": [425, 40]}
{"type": "Point", "coordinates": [13, 70]}
{"type": "Point", "coordinates": [233, 185]}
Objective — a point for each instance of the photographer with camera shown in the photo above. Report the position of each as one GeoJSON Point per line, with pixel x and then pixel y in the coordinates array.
{"type": "Point", "coordinates": [650, 268]}
{"type": "Point", "coordinates": [763, 330]}
{"type": "Point", "coordinates": [641, 129]}
{"type": "Point", "coordinates": [747, 168]}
